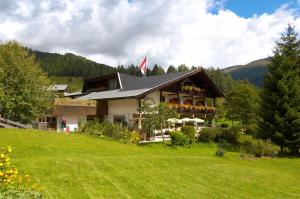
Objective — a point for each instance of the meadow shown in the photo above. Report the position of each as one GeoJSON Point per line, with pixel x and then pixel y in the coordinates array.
{"type": "Point", "coordinates": [79, 166]}
{"type": "Point", "coordinates": [75, 83]}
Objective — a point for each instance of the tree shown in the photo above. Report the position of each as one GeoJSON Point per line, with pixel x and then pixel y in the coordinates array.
{"type": "Point", "coordinates": [171, 69]}
{"type": "Point", "coordinates": [157, 70]}
{"type": "Point", "coordinates": [156, 116]}
{"type": "Point", "coordinates": [223, 81]}
{"type": "Point", "coordinates": [241, 103]}
{"type": "Point", "coordinates": [280, 97]}
{"type": "Point", "coordinates": [182, 67]}
{"type": "Point", "coordinates": [24, 86]}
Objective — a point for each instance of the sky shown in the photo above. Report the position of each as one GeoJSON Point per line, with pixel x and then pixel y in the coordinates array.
{"type": "Point", "coordinates": [208, 33]}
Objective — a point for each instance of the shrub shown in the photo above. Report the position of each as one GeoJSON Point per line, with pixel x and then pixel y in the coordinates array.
{"type": "Point", "coordinates": [231, 135]}
{"type": "Point", "coordinates": [8, 173]}
{"type": "Point", "coordinates": [179, 139]}
{"type": "Point", "coordinates": [208, 134]}
{"type": "Point", "coordinates": [115, 131]}
{"type": "Point", "coordinates": [190, 132]}
{"type": "Point", "coordinates": [20, 194]}
{"type": "Point", "coordinates": [12, 185]}
{"type": "Point", "coordinates": [132, 137]}
{"type": "Point", "coordinates": [220, 152]}
{"type": "Point", "coordinates": [94, 128]}
{"type": "Point", "coordinates": [257, 147]}
{"type": "Point", "coordinates": [224, 125]}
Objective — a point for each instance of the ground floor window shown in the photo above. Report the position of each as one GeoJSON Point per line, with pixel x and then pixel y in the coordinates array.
{"type": "Point", "coordinates": [121, 119]}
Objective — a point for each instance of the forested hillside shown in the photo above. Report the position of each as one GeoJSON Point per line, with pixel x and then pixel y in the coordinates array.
{"type": "Point", "coordinates": [70, 65]}
{"type": "Point", "coordinates": [60, 67]}
{"type": "Point", "coordinates": [253, 71]}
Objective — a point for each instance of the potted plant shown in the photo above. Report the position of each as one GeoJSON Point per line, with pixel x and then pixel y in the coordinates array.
{"type": "Point", "coordinates": [183, 87]}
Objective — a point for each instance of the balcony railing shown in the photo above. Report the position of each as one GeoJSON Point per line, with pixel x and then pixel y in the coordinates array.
{"type": "Point", "coordinates": [184, 108]}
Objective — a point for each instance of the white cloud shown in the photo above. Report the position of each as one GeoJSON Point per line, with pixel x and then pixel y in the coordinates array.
{"type": "Point", "coordinates": [167, 31]}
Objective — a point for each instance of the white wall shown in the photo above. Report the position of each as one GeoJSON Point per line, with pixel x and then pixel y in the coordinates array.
{"type": "Point", "coordinates": [122, 107]}
{"type": "Point", "coordinates": [128, 107]}
{"type": "Point", "coordinates": [154, 96]}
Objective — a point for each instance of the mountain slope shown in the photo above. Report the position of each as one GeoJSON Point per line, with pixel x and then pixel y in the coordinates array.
{"type": "Point", "coordinates": [70, 65]}
{"type": "Point", "coordinates": [253, 71]}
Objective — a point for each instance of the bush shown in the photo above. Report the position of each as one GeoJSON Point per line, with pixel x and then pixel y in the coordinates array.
{"type": "Point", "coordinates": [132, 137]}
{"type": "Point", "coordinates": [257, 147]}
{"type": "Point", "coordinates": [179, 139]}
{"type": "Point", "coordinates": [231, 135]}
{"type": "Point", "coordinates": [208, 134]}
{"type": "Point", "coordinates": [94, 128]}
{"type": "Point", "coordinates": [12, 185]}
{"type": "Point", "coordinates": [20, 194]}
{"type": "Point", "coordinates": [115, 131]}
{"type": "Point", "coordinates": [220, 152]}
{"type": "Point", "coordinates": [8, 173]}
{"type": "Point", "coordinates": [224, 125]}
{"type": "Point", "coordinates": [190, 132]}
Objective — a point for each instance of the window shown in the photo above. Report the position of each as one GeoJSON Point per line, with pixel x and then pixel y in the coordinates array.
{"type": "Point", "coordinates": [121, 119]}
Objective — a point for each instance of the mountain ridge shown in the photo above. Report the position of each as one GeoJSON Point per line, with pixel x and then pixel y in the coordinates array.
{"type": "Point", "coordinates": [254, 71]}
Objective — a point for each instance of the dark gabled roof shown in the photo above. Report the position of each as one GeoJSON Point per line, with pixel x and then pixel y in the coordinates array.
{"type": "Point", "coordinates": [132, 86]}
{"type": "Point", "coordinates": [129, 82]}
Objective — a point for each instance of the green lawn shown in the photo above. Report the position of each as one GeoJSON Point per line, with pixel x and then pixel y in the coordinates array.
{"type": "Point", "coordinates": [77, 166]}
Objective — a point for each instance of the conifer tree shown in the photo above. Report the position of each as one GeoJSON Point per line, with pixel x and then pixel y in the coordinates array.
{"type": "Point", "coordinates": [280, 97]}
{"type": "Point", "coordinates": [171, 69]}
{"type": "Point", "coordinates": [157, 70]}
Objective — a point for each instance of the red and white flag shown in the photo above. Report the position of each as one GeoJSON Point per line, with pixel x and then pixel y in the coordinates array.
{"type": "Point", "coordinates": [143, 66]}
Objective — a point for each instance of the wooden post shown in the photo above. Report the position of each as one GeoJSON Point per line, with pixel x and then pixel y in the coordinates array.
{"type": "Point", "coordinates": [140, 116]}
{"type": "Point", "coordinates": [193, 115]}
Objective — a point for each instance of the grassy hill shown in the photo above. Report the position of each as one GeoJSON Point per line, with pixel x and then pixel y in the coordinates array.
{"type": "Point", "coordinates": [75, 83]}
{"type": "Point", "coordinates": [77, 166]}
{"type": "Point", "coordinates": [253, 71]}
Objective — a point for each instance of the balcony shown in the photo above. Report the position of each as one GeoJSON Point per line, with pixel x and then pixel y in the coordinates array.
{"type": "Point", "coordinates": [189, 109]}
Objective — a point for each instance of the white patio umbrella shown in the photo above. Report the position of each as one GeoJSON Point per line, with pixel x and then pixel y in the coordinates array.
{"type": "Point", "coordinates": [184, 120]}
{"type": "Point", "coordinates": [198, 120]}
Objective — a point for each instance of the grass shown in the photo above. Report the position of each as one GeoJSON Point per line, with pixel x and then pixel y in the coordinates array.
{"type": "Point", "coordinates": [78, 166]}
{"type": "Point", "coordinates": [75, 83]}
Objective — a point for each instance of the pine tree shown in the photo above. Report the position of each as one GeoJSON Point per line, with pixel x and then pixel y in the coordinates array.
{"type": "Point", "coordinates": [280, 97]}
{"type": "Point", "coordinates": [157, 70]}
{"type": "Point", "coordinates": [182, 67]}
{"type": "Point", "coordinates": [171, 69]}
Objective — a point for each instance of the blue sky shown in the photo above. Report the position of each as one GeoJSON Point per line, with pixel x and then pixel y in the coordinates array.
{"type": "Point", "coordinates": [248, 8]}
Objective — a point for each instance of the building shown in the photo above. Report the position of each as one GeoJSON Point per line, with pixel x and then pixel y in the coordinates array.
{"type": "Point", "coordinates": [119, 96]}
{"type": "Point", "coordinates": [61, 89]}
{"type": "Point", "coordinates": [67, 114]}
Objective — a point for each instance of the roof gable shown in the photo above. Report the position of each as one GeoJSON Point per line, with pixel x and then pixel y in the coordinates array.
{"type": "Point", "coordinates": [132, 86]}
